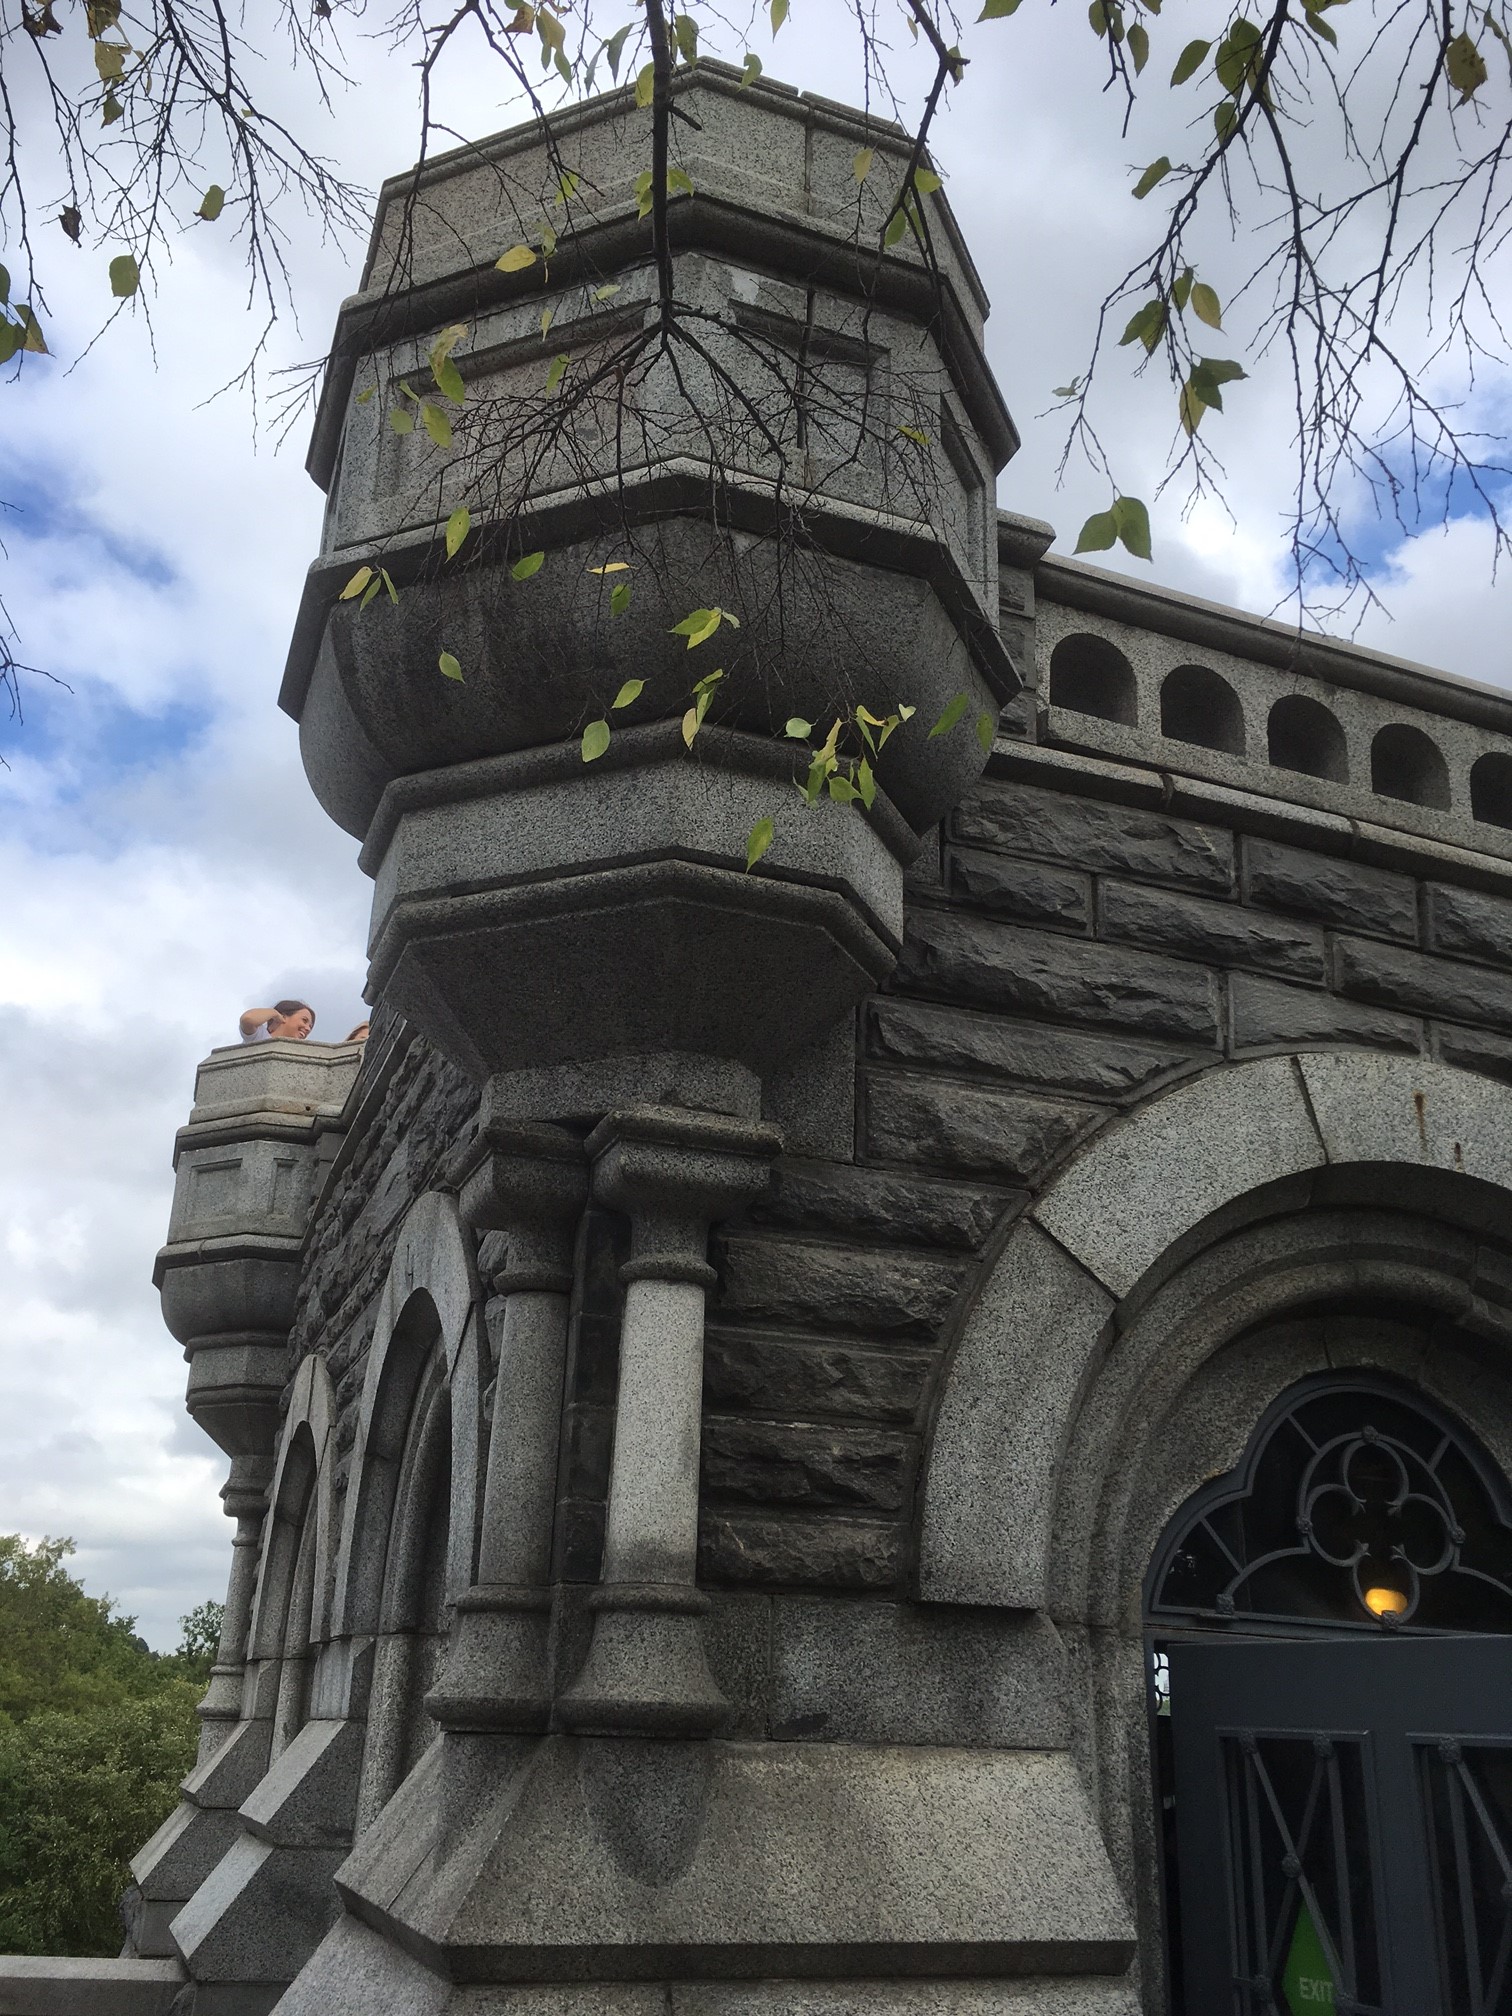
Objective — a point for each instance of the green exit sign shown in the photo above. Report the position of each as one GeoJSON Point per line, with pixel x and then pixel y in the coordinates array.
{"type": "Point", "coordinates": [1307, 1985]}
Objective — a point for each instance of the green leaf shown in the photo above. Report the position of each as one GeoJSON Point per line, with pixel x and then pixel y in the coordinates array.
{"type": "Point", "coordinates": [797, 729]}
{"type": "Point", "coordinates": [1139, 46]}
{"type": "Point", "coordinates": [558, 370]}
{"type": "Point", "coordinates": [1206, 306]}
{"type": "Point", "coordinates": [1156, 172]}
{"type": "Point", "coordinates": [692, 721]}
{"type": "Point", "coordinates": [595, 740]}
{"type": "Point", "coordinates": [401, 420]}
{"type": "Point", "coordinates": [1189, 62]}
{"type": "Point", "coordinates": [457, 528]}
{"type": "Point", "coordinates": [100, 15]}
{"type": "Point", "coordinates": [897, 225]}
{"type": "Point", "coordinates": [698, 626]}
{"type": "Point", "coordinates": [1066, 391]}
{"type": "Point", "coordinates": [355, 586]}
{"type": "Point", "coordinates": [916, 435]}
{"type": "Point", "coordinates": [112, 110]}
{"type": "Point", "coordinates": [862, 163]}
{"type": "Point", "coordinates": [548, 241]}
{"type": "Point", "coordinates": [450, 669]}
{"type": "Point", "coordinates": [614, 48]}
{"type": "Point", "coordinates": [628, 694]}
{"type": "Point", "coordinates": [530, 564]}
{"type": "Point", "coordinates": [986, 731]}
{"type": "Point", "coordinates": [645, 86]}
{"type": "Point", "coordinates": [12, 337]}
{"type": "Point", "coordinates": [619, 598]}
{"type": "Point", "coordinates": [998, 10]}
{"type": "Point", "coordinates": [1191, 406]}
{"type": "Point", "coordinates": [546, 315]}
{"type": "Point", "coordinates": [757, 842]}
{"type": "Point", "coordinates": [1225, 118]}
{"type": "Point", "coordinates": [949, 718]}
{"type": "Point", "coordinates": [124, 276]}
{"type": "Point", "coordinates": [704, 688]}
{"type": "Point", "coordinates": [449, 380]}
{"type": "Point", "coordinates": [516, 259]}
{"type": "Point", "coordinates": [1147, 326]}
{"type": "Point", "coordinates": [1098, 534]}
{"type": "Point", "coordinates": [926, 181]}
{"type": "Point", "coordinates": [212, 203]}
{"type": "Point", "coordinates": [1321, 28]}
{"type": "Point", "coordinates": [750, 69]}
{"type": "Point", "coordinates": [679, 182]}
{"type": "Point", "coordinates": [842, 790]}
{"type": "Point", "coordinates": [607, 292]}
{"type": "Point", "coordinates": [1222, 370]}
{"type": "Point", "coordinates": [110, 61]}
{"type": "Point", "coordinates": [1181, 287]}
{"type": "Point", "coordinates": [437, 425]}
{"type": "Point", "coordinates": [779, 13]}
{"type": "Point", "coordinates": [388, 582]}
{"type": "Point", "coordinates": [866, 784]}
{"type": "Point", "coordinates": [4, 287]}
{"type": "Point", "coordinates": [373, 588]}
{"type": "Point", "coordinates": [685, 35]}
{"type": "Point", "coordinates": [1133, 522]}
{"type": "Point", "coordinates": [1465, 65]}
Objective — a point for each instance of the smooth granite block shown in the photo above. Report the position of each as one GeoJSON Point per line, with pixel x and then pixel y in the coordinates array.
{"type": "Point", "coordinates": [990, 1471]}
{"type": "Point", "coordinates": [46, 1985]}
{"type": "Point", "coordinates": [1387, 1109]}
{"type": "Point", "coordinates": [1149, 1179]}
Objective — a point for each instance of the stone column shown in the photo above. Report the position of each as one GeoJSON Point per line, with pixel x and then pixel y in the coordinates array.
{"type": "Point", "coordinates": [245, 1498]}
{"type": "Point", "coordinates": [531, 1183]}
{"type": "Point", "coordinates": [674, 1173]}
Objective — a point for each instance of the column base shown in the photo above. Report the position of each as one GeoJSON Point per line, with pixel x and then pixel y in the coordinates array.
{"type": "Point", "coordinates": [646, 1673]}
{"type": "Point", "coordinates": [496, 1671]}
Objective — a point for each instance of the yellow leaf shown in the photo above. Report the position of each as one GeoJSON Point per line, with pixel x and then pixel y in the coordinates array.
{"type": "Point", "coordinates": [861, 166]}
{"type": "Point", "coordinates": [516, 259]}
{"type": "Point", "coordinates": [355, 586]}
{"type": "Point", "coordinates": [690, 724]}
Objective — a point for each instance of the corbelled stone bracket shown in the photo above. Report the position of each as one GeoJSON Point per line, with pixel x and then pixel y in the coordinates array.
{"type": "Point", "coordinates": [529, 1182]}
{"type": "Point", "coordinates": [674, 1173]}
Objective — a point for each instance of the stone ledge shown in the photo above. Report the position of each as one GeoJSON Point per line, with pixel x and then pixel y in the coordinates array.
{"type": "Point", "coordinates": [46, 1986]}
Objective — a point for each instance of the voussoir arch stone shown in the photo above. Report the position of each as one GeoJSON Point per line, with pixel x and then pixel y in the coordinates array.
{"type": "Point", "coordinates": [433, 1258]}
{"type": "Point", "coordinates": [1050, 1303]}
{"type": "Point", "coordinates": [301, 1477]}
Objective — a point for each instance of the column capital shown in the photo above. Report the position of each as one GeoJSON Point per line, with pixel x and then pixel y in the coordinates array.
{"type": "Point", "coordinates": [529, 1181]}
{"type": "Point", "coordinates": [665, 1159]}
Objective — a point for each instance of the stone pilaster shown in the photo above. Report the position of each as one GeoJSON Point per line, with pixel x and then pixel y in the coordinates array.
{"type": "Point", "coordinates": [674, 1173]}
{"type": "Point", "coordinates": [530, 1183]}
{"type": "Point", "coordinates": [245, 1498]}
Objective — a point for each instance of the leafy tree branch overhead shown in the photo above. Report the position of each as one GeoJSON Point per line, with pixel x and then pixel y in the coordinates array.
{"type": "Point", "coordinates": [1330, 201]}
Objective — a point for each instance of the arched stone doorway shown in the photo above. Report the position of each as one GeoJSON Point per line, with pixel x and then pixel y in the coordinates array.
{"type": "Point", "coordinates": [1330, 1685]}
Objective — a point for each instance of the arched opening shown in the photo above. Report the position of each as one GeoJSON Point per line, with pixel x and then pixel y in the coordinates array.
{"type": "Point", "coordinates": [1198, 706]}
{"type": "Point", "coordinates": [1405, 764]}
{"type": "Point", "coordinates": [1305, 736]}
{"type": "Point", "coordinates": [1307, 1614]}
{"type": "Point", "coordinates": [1091, 676]}
{"type": "Point", "coordinates": [1491, 789]}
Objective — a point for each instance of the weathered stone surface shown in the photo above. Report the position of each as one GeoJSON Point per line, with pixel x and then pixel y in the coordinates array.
{"type": "Point", "coordinates": [45, 1985]}
{"type": "Point", "coordinates": [1211, 1140]}
{"type": "Point", "coordinates": [1001, 1419]}
{"type": "Point", "coordinates": [1031, 972]}
{"type": "Point", "coordinates": [1032, 890]}
{"type": "Point", "coordinates": [1226, 934]}
{"type": "Point", "coordinates": [1266, 1015]}
{"type": "Point", "coordinates": [1466, 922]}
{"type": "Point", "coordinates": [956, 1039]}
{"type": "Point", "coordinates": [950, 1126]}
{"type": "Point", "coordinates": [867, 1672]}
{"type": "Point", "coordinates": [1081, 833]}
{"type": "Point", "coordinates": [1389, 1109]}
{"type": "Point", "coordinates": [1475, 1050]}
{"type": "Point", "coordinates": [780, 1375]}
{"type": "Point", "coordinates": [1334, 891]}
{"type": "Point", "coordinates": [879, 1204]}
{"type": "Point", "coordinates": [806, 1464]}
{"type": "Point", "coordinates": [1082, 1995]}
{"type": "Point", "coordinates": [767, 1551]}
{"type": "Point", "coordinates": [1420, 983]}
{"type": "Point", "coordinates": [810, 1287]}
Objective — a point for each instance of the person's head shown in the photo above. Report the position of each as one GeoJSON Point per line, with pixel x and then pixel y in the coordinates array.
{"type": "Point", "coordinates": [359, 1034]}
{"type": "Point", "coordinates": [293, 1020]}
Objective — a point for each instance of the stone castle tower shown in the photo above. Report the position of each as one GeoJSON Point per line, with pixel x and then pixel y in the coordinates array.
{"type": "Point", "coordinates": [774, 1417]}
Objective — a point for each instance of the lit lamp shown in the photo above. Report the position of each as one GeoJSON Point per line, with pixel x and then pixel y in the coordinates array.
{"type": "Point", "coordinates": [1384, 1602]}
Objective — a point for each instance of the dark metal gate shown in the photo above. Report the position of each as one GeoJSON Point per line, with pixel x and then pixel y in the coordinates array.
{"type": "Point", "coordinates": [1345, 1834]}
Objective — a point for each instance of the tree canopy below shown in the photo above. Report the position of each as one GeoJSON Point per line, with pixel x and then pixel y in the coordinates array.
{"type": "Point", "coordinates": [96, 1732]}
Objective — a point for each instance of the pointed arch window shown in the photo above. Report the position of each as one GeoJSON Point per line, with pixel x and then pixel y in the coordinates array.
{"type": "Point", "coordinates": [1356, 1506]}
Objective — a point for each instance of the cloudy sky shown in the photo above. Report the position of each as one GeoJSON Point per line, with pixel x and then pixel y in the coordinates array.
{"type": "Point", "coordinates": [162, 863]}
